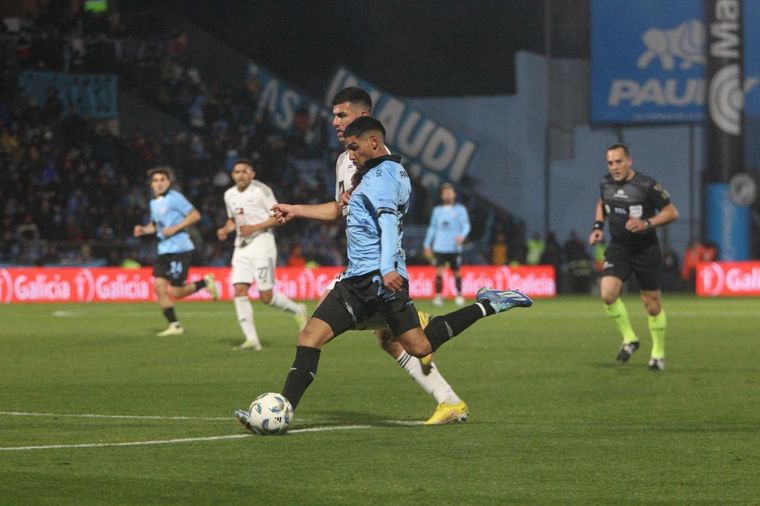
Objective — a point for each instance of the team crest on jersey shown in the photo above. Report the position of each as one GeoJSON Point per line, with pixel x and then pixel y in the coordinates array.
{"type": "Point", "coordinates": [621, 194]}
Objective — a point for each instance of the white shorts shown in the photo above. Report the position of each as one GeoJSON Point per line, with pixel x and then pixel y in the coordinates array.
{"type": "Point", "coordinates": [248, 269]}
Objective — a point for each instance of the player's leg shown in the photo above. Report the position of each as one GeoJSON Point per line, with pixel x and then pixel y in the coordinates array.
{"type": "Point", "coordinates": [165, 301]}
{"type": "Point", "coordinates": [330, 319]}
{"type": "Point", "coordinates": [439, 269]}
{"type": "Point", "coordinates": [648, 267]}
{"type": "Point", "coordinates": [419, 343]}
{"type": "Point", "coordinates": [265, 280]}
{"type": "Point", "coordinates": [244, 311]}
{"type": "Point", "coordinates": [179, 265]}
{"type": "Point", "coordinates": [450, 407]}
{"type": "Point", "coordinates": [658, 324]}
{"type": "Point", "coordinates": [456, 263]}
{"type": "Point", "coordinates": [611, 287]}
{"type": "Point", "coordinates": [616, 270]}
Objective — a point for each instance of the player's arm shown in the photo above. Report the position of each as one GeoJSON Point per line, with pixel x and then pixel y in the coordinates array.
{"type": "Point", "coordinates": [597, 234]}
{"type": "Point", "coordinates": [465, 219]}
{"type": "Point", "coordinates": [190, 219]}
{"type": "Point", "coordinates": [329, 211]}
{"type": "Point", "coordinates": [148, 229]}
{"type": "Point", "coordinates": [667, 214]}
{"type": "Point", "coordinates": [225, 230]}
{"type": "Point", "coordinates": [430, 234]}
{"type": "Point", "coordinates": [249, 230]}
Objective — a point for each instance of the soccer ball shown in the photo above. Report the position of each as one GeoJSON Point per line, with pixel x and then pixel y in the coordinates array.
{"type": "Point", "coordinates": [270, 413]}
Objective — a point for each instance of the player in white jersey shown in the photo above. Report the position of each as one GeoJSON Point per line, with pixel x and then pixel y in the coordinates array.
{"type": "Point", "coordinates": [349, 104]}
{"type": "Point", "coordinates": [248, 206]}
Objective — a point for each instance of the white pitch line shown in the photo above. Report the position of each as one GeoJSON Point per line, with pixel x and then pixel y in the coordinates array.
{"type": "Point", "coordinates": [122, 417]}
{"type": "Point", "coordinates": [173, 441]}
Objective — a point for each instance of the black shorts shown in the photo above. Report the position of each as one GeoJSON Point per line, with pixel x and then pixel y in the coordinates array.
{"type": "Point", "coordinates": [645, 262]}
{"type": "Point", "coordinates": [353, 300]}
{"type": "Point", "coordinates": [453, 259]}
{"type": "Point", "coordinates": [173, 266]}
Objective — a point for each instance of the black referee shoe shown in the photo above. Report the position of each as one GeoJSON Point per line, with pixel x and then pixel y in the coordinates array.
{"type": "Point", "coordinates": [626, 350]}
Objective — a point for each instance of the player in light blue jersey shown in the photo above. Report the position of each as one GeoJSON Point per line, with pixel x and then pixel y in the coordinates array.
{"type": "Point", "coordinates": [448, 229]}
{"type": "Point", "coordinates": [376, 280]}
{"type": "Point", "coordinates": [170, 216]}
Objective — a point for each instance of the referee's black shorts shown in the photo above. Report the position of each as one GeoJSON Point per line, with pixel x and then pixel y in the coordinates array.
{"type": "Point", "coordinates": [645, 262]}
{"type": "Point", "coordinates": [353, 300]}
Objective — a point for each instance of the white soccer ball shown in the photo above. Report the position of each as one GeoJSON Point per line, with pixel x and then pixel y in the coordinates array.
{"type": "Point", "coordinates": [270, 413]}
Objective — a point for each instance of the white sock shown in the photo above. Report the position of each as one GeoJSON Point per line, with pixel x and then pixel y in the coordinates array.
{"type": "Point", "coordinates": [433, 383]}
{"type": "Point", "coordinates": [281, 301]}
{"type": "Point", "coordinates": [244, 312]}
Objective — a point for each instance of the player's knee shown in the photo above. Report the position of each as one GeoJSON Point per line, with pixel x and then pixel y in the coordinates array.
{"type": "Point", "coordinates": [387, 342]}
{"type": "Point", "coordinates": [266, 297]}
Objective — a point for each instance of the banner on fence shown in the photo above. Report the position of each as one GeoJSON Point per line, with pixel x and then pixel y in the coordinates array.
{"type": "Point", "coordinates": [113, 284]}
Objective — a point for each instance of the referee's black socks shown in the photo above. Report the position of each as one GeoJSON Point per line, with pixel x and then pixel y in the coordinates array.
{"type": "Point", "coordinates": [444, 327]}
{"type": "Point", "coordinates": [301, 374]}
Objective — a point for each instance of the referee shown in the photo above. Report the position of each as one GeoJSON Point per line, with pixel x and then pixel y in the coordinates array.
{"type": "Point", "coordinates": [634, 205]}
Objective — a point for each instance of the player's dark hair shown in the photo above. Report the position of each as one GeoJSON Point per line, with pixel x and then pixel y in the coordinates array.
{"type": "Point", "coordinates": [166, 171]}
{"type": "Point", "coordinates": [619, 145]}
{"type": "Point", "coordinates": [353, 95]}
{"type": "Point", "coordinates": [245, 161]}
{"type": "Point", "coordinates": [362, 125]}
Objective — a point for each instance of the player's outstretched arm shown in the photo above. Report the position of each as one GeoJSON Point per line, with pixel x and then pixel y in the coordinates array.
{"type": "Point", "coordinates": [249, 230]}
{"type": "Point", "coordinates": [329, 211]}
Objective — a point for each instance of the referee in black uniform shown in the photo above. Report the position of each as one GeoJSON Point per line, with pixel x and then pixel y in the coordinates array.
{"type": "Point", "coordinates": [634, 205]}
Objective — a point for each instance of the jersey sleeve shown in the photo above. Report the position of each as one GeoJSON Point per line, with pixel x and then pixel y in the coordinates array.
{"type": "Point", "coordinates": [183, 205]}
{"type": "Point", "coordinates": [268, 198]}
{"type": "Point", "coordinates": [386, 193]}
{"type": "Point", "coordinates": [658, 195]}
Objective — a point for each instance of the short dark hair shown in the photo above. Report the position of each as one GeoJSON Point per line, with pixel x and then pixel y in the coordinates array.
{"type": "Point", "coordinates": [447, 186]}
{"type": "Point", "coordinates": [245, 161]}
{"type": "Point", "coordinates": [166, 171]}
{"type": "Point", "coordinates": [353, 95]}
{"type": "Point", "coordinates": [362, 125]}
{"type": "Point", "coordinates": [619, 145]}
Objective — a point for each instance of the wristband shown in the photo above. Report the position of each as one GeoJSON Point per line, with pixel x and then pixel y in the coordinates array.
{"type": "Point", "coordinates": [598, 225]}
{"type": "Point", "coordinates": [648, 223]}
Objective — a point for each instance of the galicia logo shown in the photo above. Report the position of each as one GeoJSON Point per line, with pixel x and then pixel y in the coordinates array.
{"type": "Point", "coordinates": [713, 279]}
{"type": "Point", "coordinates": [6, 286]}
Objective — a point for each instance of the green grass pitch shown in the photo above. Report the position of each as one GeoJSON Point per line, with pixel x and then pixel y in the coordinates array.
{"type": "Point", "coordinates": [554, 420]}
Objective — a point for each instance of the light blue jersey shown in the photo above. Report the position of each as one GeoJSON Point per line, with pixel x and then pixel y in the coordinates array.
{"type": "Point", "coordinates": [166, 211]}
{"type": "Point", "coordinates": [446, 224]}
{"type": "Point", "coordinates": [375, 215]}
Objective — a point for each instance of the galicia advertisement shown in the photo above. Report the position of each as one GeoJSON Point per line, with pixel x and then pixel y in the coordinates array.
{"type": "Point", "coordinates": [114, 284]}
{"type": "Point", "coordinates": [648, 60]}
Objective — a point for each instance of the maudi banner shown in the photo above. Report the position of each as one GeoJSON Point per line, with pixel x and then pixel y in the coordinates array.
{"type": "Point", "coordinates": [432, 151]}
{"type": "Point", "coordinates": [113, 284]}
